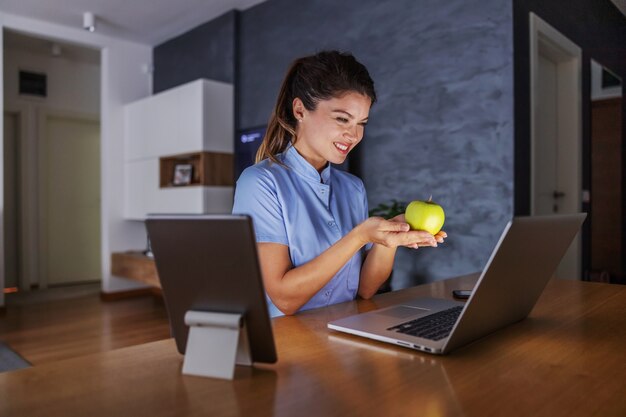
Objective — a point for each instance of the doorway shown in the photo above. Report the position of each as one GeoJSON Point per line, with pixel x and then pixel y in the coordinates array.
{"type": "Point", "coordinates": [55, 189]}
{"type": "Point", "coordinates": [556, 125]}
{"type": "Point", "coordinates": [69, 186]}
{"type": "Point", "coordinates": [607, 190]}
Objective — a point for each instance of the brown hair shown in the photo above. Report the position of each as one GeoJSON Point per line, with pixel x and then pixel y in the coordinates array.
{"type": "Point", "coordinates": [312, 78]}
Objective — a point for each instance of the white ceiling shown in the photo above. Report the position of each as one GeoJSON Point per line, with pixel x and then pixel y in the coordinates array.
{"type": "Point", "coordinates": [145, 21]}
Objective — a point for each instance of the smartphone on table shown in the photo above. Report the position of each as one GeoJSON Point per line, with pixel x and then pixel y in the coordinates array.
{"type": "Point", "coordinates": [462, 294]}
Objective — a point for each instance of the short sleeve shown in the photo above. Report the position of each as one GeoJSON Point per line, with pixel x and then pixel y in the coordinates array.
{"type": "Point", "coordinates": [365, 207]}
{"type": "Point", "coordinates": [256, 196]}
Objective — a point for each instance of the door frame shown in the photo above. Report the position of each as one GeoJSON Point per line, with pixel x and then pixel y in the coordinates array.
{"type": "Point", "coordinates": [24, 281]}
{"type": "Point", "coordinates": [14, 186]}
{"type": "Point", "coordinates": [544, 38]}
{"type": "Point", "coordinates": [41, 213]}
{"type": "Point", "coordinates": [542, 35]}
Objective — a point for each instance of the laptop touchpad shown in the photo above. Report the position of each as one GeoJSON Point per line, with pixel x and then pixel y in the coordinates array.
{"type": "Point", "coordinates": [402, 311]}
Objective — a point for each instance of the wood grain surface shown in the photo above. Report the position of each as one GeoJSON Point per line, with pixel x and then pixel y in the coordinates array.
{"type": "Point", "coordinates": [566, 359]}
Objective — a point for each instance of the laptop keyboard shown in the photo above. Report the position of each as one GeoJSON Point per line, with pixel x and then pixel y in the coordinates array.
{"type": "Point", "coordinates": [434, 326]}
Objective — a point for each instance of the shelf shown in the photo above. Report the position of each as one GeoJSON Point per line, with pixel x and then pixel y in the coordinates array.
{"type": "Point", "coordinates": [135, 265]}
{"type": "Point", "coordinates": [207, 169]}
{"type": "Point", "coordinates": [193, 125]}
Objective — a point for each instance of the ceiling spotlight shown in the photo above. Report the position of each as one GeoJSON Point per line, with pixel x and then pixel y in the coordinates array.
{"type": "Point", "coordinates": [89, 21]}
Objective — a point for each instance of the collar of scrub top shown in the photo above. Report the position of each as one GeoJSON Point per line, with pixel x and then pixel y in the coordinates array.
{"type": "Point", "coordinates": [297, 162]}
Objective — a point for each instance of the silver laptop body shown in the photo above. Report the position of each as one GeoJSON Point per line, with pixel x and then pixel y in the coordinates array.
{"type": "Point", "coordinates": [520, 266]}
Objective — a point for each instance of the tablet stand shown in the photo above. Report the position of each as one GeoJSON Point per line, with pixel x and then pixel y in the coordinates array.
{"type": "Point", "coordinates": [215, 343]}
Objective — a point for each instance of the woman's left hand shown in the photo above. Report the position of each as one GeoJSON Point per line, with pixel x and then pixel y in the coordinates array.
{"type": "Point", "coordinates": [439, 237]}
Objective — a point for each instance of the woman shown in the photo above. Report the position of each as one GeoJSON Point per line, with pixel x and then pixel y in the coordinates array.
{"type": "Point", "coordinates": [311, 220]}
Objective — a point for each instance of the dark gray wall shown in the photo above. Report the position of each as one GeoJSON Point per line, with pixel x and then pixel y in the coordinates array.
{"type": "Point", "coordinates": [443, 123]}
{"type": "Point", "coordinates": [207, 51]}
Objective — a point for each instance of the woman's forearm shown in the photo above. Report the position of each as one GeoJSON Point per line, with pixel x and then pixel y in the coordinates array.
{"type": "Point", "coordinates": [376, 269]}
{"type": "Point", "coordinates": [300, 284]}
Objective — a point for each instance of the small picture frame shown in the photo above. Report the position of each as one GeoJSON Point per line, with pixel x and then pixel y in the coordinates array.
{"type": "Point", "coordinates": [182, 174]}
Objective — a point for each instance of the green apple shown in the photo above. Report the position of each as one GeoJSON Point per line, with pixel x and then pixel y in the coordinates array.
{"type": "Point", "coordinates": [425, 215]}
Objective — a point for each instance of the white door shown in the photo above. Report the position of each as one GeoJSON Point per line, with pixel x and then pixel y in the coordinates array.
{"type": "Point", "coordinates": [11, 199]}
{"type": "Point", "coordinates": [70, 197]}
{"type": "Point", "coordinates": [545, 150]}
{"type": "Point", "coordinates": [556, 133]}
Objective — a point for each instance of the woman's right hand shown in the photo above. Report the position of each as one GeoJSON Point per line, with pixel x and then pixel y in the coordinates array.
{"type": "Point", "coordinates": [392, 234]}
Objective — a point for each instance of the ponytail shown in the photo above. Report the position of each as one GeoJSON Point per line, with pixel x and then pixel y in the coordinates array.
{"type": "Point", "coordinates": [281, 128]}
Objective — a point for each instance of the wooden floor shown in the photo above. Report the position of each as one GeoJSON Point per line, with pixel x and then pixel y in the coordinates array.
{"type": "Point", "coordinates": [48, 331]}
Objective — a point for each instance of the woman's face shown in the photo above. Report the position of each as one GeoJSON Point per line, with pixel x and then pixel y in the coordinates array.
{"type": "Point", "coordinates": [332, 130]}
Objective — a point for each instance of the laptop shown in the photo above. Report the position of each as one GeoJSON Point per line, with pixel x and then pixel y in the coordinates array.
{"type": "Point", "coordinates": [521, 264]}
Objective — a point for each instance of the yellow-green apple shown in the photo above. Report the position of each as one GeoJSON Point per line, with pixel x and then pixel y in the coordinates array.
{"type": "Point", "coordinates": [425, 215]}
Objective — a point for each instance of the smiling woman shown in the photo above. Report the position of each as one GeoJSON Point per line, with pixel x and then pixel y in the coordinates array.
{"type": "Point", "coordinates": [316, 244]}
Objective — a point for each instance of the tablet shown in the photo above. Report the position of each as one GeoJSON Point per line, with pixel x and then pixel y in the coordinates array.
{"type": "Point", "coordinates": [210, 263]}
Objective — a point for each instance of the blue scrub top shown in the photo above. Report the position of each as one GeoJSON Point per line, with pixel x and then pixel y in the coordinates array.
{"type": "Point", "coordinates": [296, 206]}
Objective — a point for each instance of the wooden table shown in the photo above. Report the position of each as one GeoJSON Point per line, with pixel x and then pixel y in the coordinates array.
{"type": "Point", "coordinates": [567, 359]}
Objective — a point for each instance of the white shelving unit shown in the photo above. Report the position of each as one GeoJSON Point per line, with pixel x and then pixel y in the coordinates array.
{"type": "Point", "coordinates": [189, 119]}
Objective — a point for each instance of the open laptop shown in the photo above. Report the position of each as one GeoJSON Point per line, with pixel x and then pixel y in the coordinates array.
{"type": "Point", "coordinates": [520, 266]}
